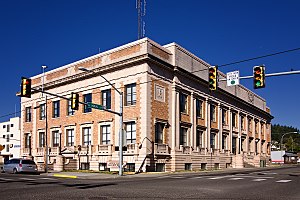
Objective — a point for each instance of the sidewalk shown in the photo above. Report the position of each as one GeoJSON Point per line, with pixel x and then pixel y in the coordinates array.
{"type": "Point", "coordinates": [99, 175]}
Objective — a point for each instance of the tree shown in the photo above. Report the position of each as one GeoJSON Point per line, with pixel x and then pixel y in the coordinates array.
{"type": "Point", "coordinates": [291, 142]}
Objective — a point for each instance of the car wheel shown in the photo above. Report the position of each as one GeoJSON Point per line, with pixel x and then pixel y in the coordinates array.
{"type": "Point", "coordinates": [15, 171]}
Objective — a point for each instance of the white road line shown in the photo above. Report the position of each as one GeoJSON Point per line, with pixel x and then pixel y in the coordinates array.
{"type": "Point", "coordinates": [6, 179]}
{"type": "Point", "coordinates": [48, 178]}
{"type": "Point", "coordinates": [218, 177]}
{"type": "Point", "coordinates": [177, 177]}
{"type": "Point", "coordinates": [283, 181]}
{"type": "Point", "coordinates": [234, 179]}
{"type": "Point", "coordinates": [196, 177]}
{"type": "Point", "coordinates": [27, 179]}
{"type": "Point", "coordinates": [254, 176]}
{"type": "Point", "coordinates": [259, 179]}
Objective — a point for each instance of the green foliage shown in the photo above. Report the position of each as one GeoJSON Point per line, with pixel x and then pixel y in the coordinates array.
{"type": "Point", "coordinates": [291, 142]}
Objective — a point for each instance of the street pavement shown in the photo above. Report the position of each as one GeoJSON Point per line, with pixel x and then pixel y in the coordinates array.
{"type": "Point", "coordinates": [228, 171]}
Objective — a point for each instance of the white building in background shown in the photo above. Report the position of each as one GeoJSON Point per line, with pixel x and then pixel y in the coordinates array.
{"type": "Point", "coordinates": [10, 139]}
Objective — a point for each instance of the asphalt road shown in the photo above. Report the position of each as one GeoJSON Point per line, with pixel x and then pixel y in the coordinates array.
{"type": "Point", "coordinates": [272, 184]}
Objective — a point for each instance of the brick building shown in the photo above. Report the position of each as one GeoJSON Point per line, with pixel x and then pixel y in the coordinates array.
{"type": "Point", "coordinates": [171, 120]}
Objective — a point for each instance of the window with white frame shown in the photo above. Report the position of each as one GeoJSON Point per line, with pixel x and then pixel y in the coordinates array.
{"type": "Point", "coordinates": [130, 132]}
{"type": "Point", "coordinates": [199, 108]}
{"type": "Point", "coordinates": [106, 98]}
{"type": "Point", "coordinates": [105, 134]}
{"type": "Point", "coordinates": [183, 136]}
{"type": "Point", "coordinates": [87, 98]}
{"type": "Point", "coordinates": [183, 102]}
{"type": "Point", "coordinates": [70, 137]}
{"type": "Point", "coordinates": [224, 116]}
{"type": "Point", "coordinates": [130, 94]}
{"type": "Point", "coordinates": [55, 138]}
{"type": "Point", "coordinates": [70, 111]}
{"type": "Point", "coordinates": [42, 111]}
{"type": "Point", "coordinates": [28, 114]}
{"type": "Point", "coordinates": [213, 113]}
{"type": "Point", "coordinates": [199, 138]}
{"type": "Point", "coordinates": [56, 107]}
{"type": "Point", "coordinates": [212, 140]}
{"type": "Point", "coordinates": [41, 139]}
{"type": "Point", "coordinates": [86, 133]}
{"type": "Point", "coordinates": [159, 132]}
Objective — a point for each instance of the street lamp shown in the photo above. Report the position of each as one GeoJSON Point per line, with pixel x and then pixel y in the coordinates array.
{"type": "Point", "coordinates": [282, 140]}
{"type": "Point", "coordinates": [121, 120]}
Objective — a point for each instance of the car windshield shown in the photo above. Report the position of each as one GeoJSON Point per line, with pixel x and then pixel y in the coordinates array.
{"type": "Point", "coordinates": [30, 162]}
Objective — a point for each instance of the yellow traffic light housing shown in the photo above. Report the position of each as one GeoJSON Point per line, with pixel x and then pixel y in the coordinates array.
{"type": "Point", "coordinates": [25, 87]}
{"type": "Point", "coordinates": [75, 101]}
{"type": "Point", "coordinates": [213, 77]}
{"type": "Point", "coordinates": [259, 77]}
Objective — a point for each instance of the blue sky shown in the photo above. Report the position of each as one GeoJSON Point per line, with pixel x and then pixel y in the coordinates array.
{"type": "Point", "coordinates": [57, 32]}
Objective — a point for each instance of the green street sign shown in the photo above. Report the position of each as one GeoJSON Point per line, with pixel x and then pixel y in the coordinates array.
{"type": "Point", "coordinates": [95, 106]}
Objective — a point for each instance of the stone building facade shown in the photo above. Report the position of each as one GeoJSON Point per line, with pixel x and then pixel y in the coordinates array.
{"type": "Point", "coordinates": [171, 120]}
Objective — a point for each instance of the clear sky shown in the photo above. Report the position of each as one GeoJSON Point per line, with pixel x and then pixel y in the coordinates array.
{"type": "Point", "coordinates": [57, 32]}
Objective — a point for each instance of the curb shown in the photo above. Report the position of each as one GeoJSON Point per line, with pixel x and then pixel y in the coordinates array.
{"type": "Point", "coordinates": [64, 176]}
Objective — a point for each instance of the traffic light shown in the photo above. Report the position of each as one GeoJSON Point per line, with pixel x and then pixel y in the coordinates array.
{"type": "Point", "coordinates": [259, 77]}
{"type": "Point", "coordinates": [212, 77]}
{"type": "Point", "coordinates": [25, 87]}
{"type": "Point", "coordinates": [75, 101]}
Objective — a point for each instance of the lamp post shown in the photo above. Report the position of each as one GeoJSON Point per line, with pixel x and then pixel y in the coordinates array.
{"type": "Point", "coordinates": [282, 140]}
{"type": "Point", "coordinates": [121, 120]}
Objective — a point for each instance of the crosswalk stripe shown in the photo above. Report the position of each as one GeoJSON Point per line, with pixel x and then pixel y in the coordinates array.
{"type": "Point", "coordinates": [6, 179]}
{"type": "Point", "coordinates": [259, 179]}
{"type": "Point", "coordinates": [177, 177]}
{"type": "Point", "coordinates": [283, 181]}
{"type": "Point", "coordinates": [218, 177]}
{"type": "Point", "coordinates": [48, 178]}
{"type": "Point", "coordinates": [27, 179]}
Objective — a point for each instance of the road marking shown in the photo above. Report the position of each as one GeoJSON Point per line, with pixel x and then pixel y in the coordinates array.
{"type": "Point", "coordinates": [218, 177]}
{"type": "Point", "coordinates": [196, 177]}
{"type": "Point", "coordinates": [27, 179]}
{"type": "Point", "coordinates": [283, 181]}
{"type": "Point", "coordinates": [254, 176]}
{"type": "Point", "coordinates": [259, 179]}
{"type": "Point", "coordinates": [64, 176]}
{"type": "Point", "coordinates": [48, 178]}
{"type": "Point", "coordinates": [234, 179]}
{"type": "Point", "coordinates": [177, 177]}
{"type": "Point", "coordinates": [6, 179]}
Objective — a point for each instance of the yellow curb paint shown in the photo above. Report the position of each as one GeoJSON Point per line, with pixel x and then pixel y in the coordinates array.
{"type": "Point", "coordinates": [64, 176]}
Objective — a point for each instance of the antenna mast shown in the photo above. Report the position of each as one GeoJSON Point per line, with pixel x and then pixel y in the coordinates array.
{"type": "Point", "coordinates": [141, 8]}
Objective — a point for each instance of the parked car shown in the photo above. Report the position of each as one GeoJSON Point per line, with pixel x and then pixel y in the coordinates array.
{"type": "Point", "coordinates": [19, 165]}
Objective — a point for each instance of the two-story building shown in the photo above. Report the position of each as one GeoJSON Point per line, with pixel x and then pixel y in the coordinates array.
{"type": "Point", "coordinates": [171, 119]}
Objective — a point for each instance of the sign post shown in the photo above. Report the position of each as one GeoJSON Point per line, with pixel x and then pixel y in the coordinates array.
{"type": "Point", "coordinates": [233, 78]}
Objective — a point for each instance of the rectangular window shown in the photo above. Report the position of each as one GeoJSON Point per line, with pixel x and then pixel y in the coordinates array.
{"type": "Point", "coordinates": [7, 128]}
{"type": "Point", "coordinates": [55, 138]}
{"type": "Point", "coordinates": [41, 139]}
{"type": "Point", "coordinates": [183, 103]}
{"type": "Point", "coordinates": [7, 138]}
{"type": "Point", "coordinates": [42, 111]}
{"type": "Point", "coordinates": [212, 140]}
{"type": "Point", "coordinates": [199, 138]}
{"type": "Point", "coordinates": [106, 99]}
{"type": "Point", "coordinates": [28, 114]}
{"type": "Point", "coordinates": [199, 108]}
{"type": "Point", "coordinates": [183, 136]}
{"type": "Point", "coordinates": [130, 94]}
{"type": "Point", "coordinates": [86, 136]}
{"type": "Point", "coordinates": [87, 98]}
{"type": "Point", "coordinates": [249, 125]}
{"type": "Point", "coordinates": [130, 132]}
{"type": "Point", "coordinates": [159, 132]}
{"type": "Point", "coordinates": [224, 117]}
{"type": "Point", "coordinates": [7, 148]}
{"type": "Point", "coordinates": [55, 109]}
{"type": "Point", "coordinates": [233, 119]}
{"type": "Point", "coordinates": [70, 137]}
{"type": "Point", "coordinates": [242, 122]}
{"type": "Point", "coordinates": [70, 111]}
{"type": "Point", "coordinates": [213, 113]}
{"type": "Point", "coordinates": [27, 140]}
{"type": "Point", "coordinates": [256, 127]}
{"type": "Point", "coordinates": [234, 145]}
{"type": "Point", "coordinates": [12, 125]}
{"type": "Point", "coordinates": [224, 139]}
{"type": "Point", "coordinates": [105, 132]}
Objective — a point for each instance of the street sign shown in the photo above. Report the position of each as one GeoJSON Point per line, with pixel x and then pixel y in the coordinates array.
{"type": "Point", "coordinates": [95, 106]}
{"type": "Point", "coordinates": [233, 78]}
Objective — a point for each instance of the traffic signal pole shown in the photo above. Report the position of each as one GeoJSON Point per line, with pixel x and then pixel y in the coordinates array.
{"type": "Point", "coordinates": [267, 75]}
